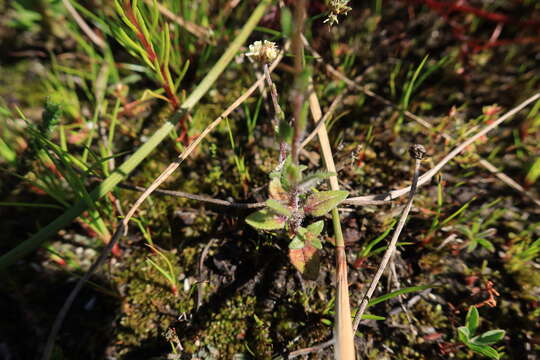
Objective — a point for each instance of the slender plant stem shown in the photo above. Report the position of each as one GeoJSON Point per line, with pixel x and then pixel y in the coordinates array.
{"type": "Point", "coordinates": [175, 164]}
{"type": "Point", "coordinates": [299, 90]}
{"type": "Point", "coordinates": [323, 120]}
{"type": "Point", "coordinates": [418, 155]}
{"type": "Point", "coordinates": [196, 197]}
{"type": "Point", "coordinates": [377, 199]}
{"type": "Point", "coordinates": [142, 153]}
{"type": "Point", "coordinates": [278, 114]}
{"type": "Point", "coordinates": [343, 337]}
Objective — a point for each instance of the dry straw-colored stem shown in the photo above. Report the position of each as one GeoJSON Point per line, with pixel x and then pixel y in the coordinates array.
{"type": "Point", "coordinates": [175, 164]}
{"type": "Point", "coordinates": [392, 246]}
{"type": "Point", "coordinates": [83, 25]}
{"type": "Point", "coordinates": [343, 336]}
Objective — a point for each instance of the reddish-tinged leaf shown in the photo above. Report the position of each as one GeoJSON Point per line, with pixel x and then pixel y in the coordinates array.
{"type": "Point", "coordinates": [306, 260]}
{"type": "Point", "coordinates": [322, 202]}
{"type": "Point", "coordinates": [276, 191]}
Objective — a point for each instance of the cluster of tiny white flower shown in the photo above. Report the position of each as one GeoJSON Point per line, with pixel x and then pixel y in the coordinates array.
{"type": "Point", "coordinates": [263, 52]}
{"type": "Point", "coordinates": [337, 7]}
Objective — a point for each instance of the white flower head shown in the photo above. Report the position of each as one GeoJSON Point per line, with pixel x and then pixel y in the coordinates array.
{"type": "Point", "coordinates": [263, 52]}
{"type": "Point", "coordinates": [337, 7]}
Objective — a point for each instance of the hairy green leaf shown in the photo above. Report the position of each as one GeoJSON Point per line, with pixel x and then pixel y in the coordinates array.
{"type": "Point", "coordinates": [266, 219]}
{"type": "Point", "coordinates": [313, 179]}
{"type": "Point", "coordinates": [320, 203]}
{"type": "Point", "coordinates": [278, 207]}
{"type": "Point", "coordinates": [292, 174]}
{"type": "Point", "coordinates": [285, 132]}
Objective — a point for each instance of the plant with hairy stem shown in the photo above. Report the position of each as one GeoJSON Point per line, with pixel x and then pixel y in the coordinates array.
{"type": "Point", "coordinates": [291, 194]}
{"type": "Point", "coordinates": [291, 199]}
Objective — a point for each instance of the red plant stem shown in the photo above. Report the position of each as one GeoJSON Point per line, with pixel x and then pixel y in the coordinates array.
{"type": "Point", "coordinates": [171, 96]}
{"type": "Point", "coordinates": [139, 33]}
{"type": "Point", "coordinates": [460, 6]}
{"type": "Point", "coordinates": [445, 9]}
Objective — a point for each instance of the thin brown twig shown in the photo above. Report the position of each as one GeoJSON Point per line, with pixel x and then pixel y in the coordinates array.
{"type": "Point", "coordinates": [200, 32]}
{"type": "Point", "coordinates": [417, 152]}
{"type": "Point", "coordinates": [355, 85]}
{"type": "Point", "coordinates": [175, 164]}
{"type": "Point", "coordinates": [329, 113]}
{"type": "Point", "coordinates": [310, 349]}
{"type": "Point", "coordinates": [201, 198]}
{"type": "Point", "coordinates": [377, 199]}
{"type": "Point", "coordinates": [83, 25]}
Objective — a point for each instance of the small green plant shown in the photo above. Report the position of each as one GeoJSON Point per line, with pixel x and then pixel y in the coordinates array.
{"type": "Point", "coordinates": [168, 273]}
{"type": "Point", "coordinates": [478, 232]}
{"type": "Point", "coordinates": [480, 344]}
{"type": "Point", "coordinates": [475, 236]}
{"type": "Point", "coordinates": [292, 198]}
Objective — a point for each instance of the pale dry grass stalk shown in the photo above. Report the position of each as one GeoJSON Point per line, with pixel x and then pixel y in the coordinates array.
{"type": "Point", "coordinates": [199, 31]}
{"type": "Point", "coordinates": [175, 164]}
{"type": "Point", "coordinates": [417, 152]}
{"type": "Point", "coordinates": [343, 336]}
{"type": "Point", "coordinates": [318, 124]}
{"type": "Point", "coordinates": [97, 40]}
{"type": "Point", "coordinates": [383, 198]}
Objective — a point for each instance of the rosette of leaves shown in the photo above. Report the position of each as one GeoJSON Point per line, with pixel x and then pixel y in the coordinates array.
{"type": "Point", "coordinates": [292, 197]}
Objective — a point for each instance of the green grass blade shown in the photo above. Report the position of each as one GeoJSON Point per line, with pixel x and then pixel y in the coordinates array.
{"type": "Point", "coordinates": [397, 293]}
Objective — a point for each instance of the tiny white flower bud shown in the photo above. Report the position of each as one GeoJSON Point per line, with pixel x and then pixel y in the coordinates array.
{"type": "Point", "coordinates": [263, 52]}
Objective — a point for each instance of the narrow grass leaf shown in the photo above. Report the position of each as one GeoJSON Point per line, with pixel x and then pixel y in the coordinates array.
{"type": "Point", "coordinates": [396, 293]}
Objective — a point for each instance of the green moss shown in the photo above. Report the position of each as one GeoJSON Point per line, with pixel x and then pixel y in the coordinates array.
{"type": "Point", "coordinates": [148, 299]}
{"type": "Point", "coordinates": [234, 330]}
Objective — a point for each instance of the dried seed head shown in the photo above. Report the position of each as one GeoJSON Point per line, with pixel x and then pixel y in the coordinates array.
{"type": "Point", "coordinates": [263, 52]}
{"type": "Point", "coordinates": [417, 151]}
{"type": "Point", "coordinates": [337, 7]}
